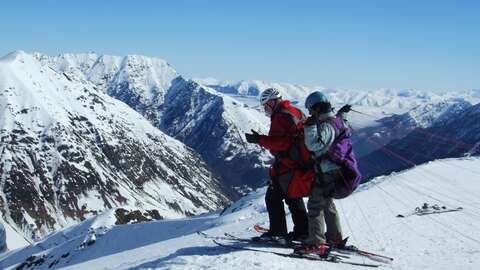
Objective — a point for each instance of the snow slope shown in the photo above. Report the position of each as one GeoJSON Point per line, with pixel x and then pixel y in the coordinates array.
{"type": "Point", "coordinates": [13, 239]}
{"type": "Point", "coordinates": [441, 241]}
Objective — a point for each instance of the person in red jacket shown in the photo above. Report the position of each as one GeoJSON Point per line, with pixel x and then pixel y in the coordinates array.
{"type": "Point", "coordinates": [280, 139]}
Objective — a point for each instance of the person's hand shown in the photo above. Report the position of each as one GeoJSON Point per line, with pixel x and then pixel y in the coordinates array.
{"type": "Point", "coordinates": [310, 121]}
{"type": "Point", "coordinates": [345, 109]}
{"type": "Point", "coordinates": [253, 137]}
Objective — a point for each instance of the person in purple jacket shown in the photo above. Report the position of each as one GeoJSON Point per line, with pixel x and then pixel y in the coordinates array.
{"type": "Point", "coordinates": [327, 136]}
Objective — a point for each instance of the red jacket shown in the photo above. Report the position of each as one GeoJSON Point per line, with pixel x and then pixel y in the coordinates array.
{"type": "Point", "coordinates": [282, 134]}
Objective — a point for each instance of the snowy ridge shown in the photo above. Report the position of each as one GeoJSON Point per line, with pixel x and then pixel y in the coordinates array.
{"type": "Point", "coordinates": [442, 241]}
{"type": "Point", "coordinates": [145, 74]}
{"type": "Point", "coordinates": [141, 82]}
{"type": "Point", "coordinates": [434, 114]}
{"type": "Point", "coordinates": [70, 151]}
{"type": "Point", "coordinates": [390, 100]}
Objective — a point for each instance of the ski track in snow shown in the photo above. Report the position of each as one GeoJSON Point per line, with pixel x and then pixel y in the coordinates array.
{"type": "Point", "coordinates": [441, 241]}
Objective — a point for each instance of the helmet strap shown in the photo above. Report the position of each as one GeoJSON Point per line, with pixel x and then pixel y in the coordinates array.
{"type": "Point", "coordinates": [271, 106]}
{"type": "Point", "coordinates": [322, 107]}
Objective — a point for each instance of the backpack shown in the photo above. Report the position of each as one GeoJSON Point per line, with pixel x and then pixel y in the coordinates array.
{"type": "Point", "coordinates": [341, 153]}
{"type": "Point", "coordinates": [298, 151]}
{"type": "Point", "coordinates": [298, 183]}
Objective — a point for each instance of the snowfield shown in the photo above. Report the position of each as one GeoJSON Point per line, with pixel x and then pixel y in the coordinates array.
{"type": "Point", "coordinates": [438, 241]}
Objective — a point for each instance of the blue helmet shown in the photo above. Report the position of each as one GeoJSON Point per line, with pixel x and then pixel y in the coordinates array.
{"type": "Point", "coordinates": [315, 98]}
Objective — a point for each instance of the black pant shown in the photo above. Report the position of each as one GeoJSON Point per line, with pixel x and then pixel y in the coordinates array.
{"type": "Point", "coordinates": [276, 212]}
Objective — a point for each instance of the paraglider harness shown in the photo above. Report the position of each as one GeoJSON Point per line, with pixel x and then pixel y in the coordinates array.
{"type": "Point", "coordinates": [296, 183]}
{"type": "Point", "coordinates": [294, 152]}
{"type": "Point", "coordinates": [349, 174]}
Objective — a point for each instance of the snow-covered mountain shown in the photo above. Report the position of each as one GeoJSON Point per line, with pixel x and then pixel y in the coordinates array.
{"type": "Point", "coordinates": [397, 126]}
{"type": "Point", "coordinates": [68, 151]}
{"type": "Point", "coordinates": [139, 81]}
{"type": "Point", "coordinates": [144, 83]}
{"type": "Point", "coordinates": [213, 124]}
{"type": "Point", "coordinates": [208, 121]}
{"type": "Point", "coordinates": [453, 133]}
{"type": "Point", "coordinates": [369, 217]}
{"type": "Point", "coordinates": [210, 115]}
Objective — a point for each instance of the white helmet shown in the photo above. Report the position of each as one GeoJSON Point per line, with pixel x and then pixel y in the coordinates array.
{"type": "Point", "coordinates": [269, 94]}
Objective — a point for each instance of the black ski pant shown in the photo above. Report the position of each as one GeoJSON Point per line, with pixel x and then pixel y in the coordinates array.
{"type": "Point", "coordinates": [276, 212]}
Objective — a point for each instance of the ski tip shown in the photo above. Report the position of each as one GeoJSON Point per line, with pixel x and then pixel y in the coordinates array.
{"type": "Point", "coordinates": [260, 228]}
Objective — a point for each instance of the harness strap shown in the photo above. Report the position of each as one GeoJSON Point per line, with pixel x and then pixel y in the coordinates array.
{"type": "Point", "coordinates": [294, 150]}
{"type": "Point", "coordinates": [338, 136]}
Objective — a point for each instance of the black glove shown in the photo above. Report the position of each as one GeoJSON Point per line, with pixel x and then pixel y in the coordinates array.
{"type": "Point", "coordinates": [345, 108]}
{"type": "Point", "coordinates": [253, 137]}
{"type": "Point", "coordinates": [310, 121]}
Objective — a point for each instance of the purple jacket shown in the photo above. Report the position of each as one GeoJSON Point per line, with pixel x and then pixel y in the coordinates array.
{"type": "Point", "coordinates": [335, 150]}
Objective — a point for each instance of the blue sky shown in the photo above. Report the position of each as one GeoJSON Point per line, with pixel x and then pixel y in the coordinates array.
{"type": "Point", "coordinates": [362, 44]}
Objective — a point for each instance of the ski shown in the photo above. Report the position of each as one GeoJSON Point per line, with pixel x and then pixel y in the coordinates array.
{"type": "Point", "coordinates": [282, 243]}
{"type": "Point", "coordinates": [259, 228]}
{"type": "Point", "coordinates": [429, 210]}
{"type": "Point", "coordinates": [350, 249]}
{"type": "Point", "coordinates": [231, 237]}
{"type": "Point", "coordinates": [439, 211]}
{"type": "Point", "coordinates": [332, 258]}
{"type": "Point", "coordinates": [209, 236]}
{"type": "Point", "coordinates": [276, 244]}
{"type": "Point", "coordinates": [347, 250]}
{"type": "Point", "coordinates": [261, 243]}
{"type": "Point", "coordinates": [370, 255]}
